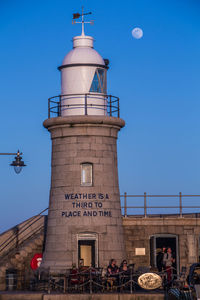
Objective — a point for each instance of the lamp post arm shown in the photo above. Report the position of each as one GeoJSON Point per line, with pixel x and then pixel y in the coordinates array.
{"type": "Point", "coordinates": [17, 162]}
{"type": "Point", "coordinates": [8, 153]}
{"type": "Point", "coordinates": [18, 153]}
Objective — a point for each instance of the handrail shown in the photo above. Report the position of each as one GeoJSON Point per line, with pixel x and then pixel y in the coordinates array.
{"type": "Point", "coordinates": [21, 230]}
{"type": "Point", "coordinates": [57, 104]}
{"type": "Point", "coordinates": [126, 208]}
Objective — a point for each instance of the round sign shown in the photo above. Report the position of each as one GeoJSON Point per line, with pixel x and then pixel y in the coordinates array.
{"type": "Point", "coordinates": [150, 281]}
{"type": "Point", "coordinates": [36, 261]}
{"type": "Point", "coordinates": [137, 33]}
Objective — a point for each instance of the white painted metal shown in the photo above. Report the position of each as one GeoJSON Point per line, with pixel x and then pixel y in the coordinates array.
{"type": "Point", "coordinates": [78, 79]}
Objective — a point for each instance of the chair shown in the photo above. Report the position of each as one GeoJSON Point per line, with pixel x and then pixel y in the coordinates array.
{"type": "Point", "coordinates": [181, 278]}
{"type": "Point", "coordinates": [111, 283]}
{"type": "Point", "coordinates": [197, 290]}
{"type": "Point", "coordinates": [143, 269]}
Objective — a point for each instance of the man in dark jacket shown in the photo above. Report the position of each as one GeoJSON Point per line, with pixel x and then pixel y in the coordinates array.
{"type": "Point", "coordinates": [159, 259]}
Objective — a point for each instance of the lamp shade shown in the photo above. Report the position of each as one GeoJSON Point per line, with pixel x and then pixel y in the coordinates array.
{"type": "Point", "coordinates": [18, 163]}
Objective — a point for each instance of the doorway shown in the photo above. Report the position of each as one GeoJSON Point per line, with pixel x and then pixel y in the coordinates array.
{"type": "Point", "coordinates": [158, 241]}
{"type": "Point", "coordinates": [86, 252]}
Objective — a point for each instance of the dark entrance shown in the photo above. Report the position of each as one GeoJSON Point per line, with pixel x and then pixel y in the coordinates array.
{"type": "Point", "coordinates": [157, 242]}
{"type": "Point", "coordinates": [86, 251]}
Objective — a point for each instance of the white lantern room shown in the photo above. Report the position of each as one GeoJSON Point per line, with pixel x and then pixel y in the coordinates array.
{"type": "Point", "coordinates": [83, 80]}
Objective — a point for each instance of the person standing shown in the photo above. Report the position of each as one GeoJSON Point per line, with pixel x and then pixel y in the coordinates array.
{"type": "Point", "coordinates": [159, 259]}
{"type": "Point", "coordinates": [168, 260]}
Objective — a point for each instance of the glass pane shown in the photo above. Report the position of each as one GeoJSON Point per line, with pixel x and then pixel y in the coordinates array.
{"type": "Point", "coordinates": [101, 76]}
{"type": "Point", "coordinates": [95, 87]}
{"type": "Point", "coordinates": [86, 174]}
{"type": "Point", "coordinates": [99, 82]}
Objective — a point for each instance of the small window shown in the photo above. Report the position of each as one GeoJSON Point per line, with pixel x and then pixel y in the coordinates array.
{"type": "Point", "coordinates": [99, 81]}
{"type": "Point", "coordinates": [86, 174]}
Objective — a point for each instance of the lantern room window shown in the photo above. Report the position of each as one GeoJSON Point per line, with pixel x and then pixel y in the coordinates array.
{"type": "Point", "coordinates": [99, 81]}
{"type": "Point", "coordinates": [86, 174]}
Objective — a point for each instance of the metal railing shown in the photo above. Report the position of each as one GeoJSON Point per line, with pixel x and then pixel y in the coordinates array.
{"type": "Point", "coordinates": [21, 234]}
{"type": "Point", "coordinates": [90, 280]}
{"type": "Point", "coordinates": [94, 281]}
{"type": "Point", "coordinates": [86, 102]}
{"type": "Point", "coordinates": [145, 209]}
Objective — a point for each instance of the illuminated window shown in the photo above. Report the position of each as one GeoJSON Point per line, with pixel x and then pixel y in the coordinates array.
{"type": "Point", "coordinates": [99, 81]}
{"type": "Point", "coordinates": [86, 174]}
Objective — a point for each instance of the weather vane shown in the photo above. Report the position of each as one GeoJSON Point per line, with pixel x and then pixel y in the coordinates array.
{"type": "Point", "coordinates": [77, 16]}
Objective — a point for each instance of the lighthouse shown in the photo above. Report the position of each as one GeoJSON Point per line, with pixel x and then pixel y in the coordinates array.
{"type": "Point", "coordinates": [84, 219]}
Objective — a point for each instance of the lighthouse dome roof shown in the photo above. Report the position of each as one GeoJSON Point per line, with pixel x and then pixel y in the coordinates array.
{"type": "Point", "coordinates": [83, 52]}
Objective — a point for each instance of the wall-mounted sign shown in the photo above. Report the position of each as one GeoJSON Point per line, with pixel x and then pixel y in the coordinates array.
{"type": "Point", "coordinates": [139, 251]}
{"type": "Point", "coordinates": [86, 196]}
{"type": "Point", "coordinates": [80, 207]}
{"type": "Point", "coordinates": [150, 281]}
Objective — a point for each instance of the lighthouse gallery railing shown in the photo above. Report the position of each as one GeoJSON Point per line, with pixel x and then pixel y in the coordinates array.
{"type": "Point", "coordinates": [57, 103]}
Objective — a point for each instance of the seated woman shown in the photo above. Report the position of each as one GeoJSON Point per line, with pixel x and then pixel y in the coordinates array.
{"type": "Point", "coordinates": [124, 273]}
{"type": "Point", "coordinates": [124, 266]}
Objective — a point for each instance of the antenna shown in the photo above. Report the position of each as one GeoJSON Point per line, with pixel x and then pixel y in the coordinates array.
{"type": "Point", "coordinates": [77, 16]}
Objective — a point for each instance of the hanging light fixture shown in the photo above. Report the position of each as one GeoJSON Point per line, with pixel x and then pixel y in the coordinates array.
{"type": "Point", "coordinates": [18, 163]}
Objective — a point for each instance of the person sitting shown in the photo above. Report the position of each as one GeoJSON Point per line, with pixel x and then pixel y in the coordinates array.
{"type": "Point", "coordinates": [112, 268]}
{"type": "Point", "coordinates": [74, 277]}
{"type": "Point", "coordinates": [112, 273]}
{"type": "Point", "coordinates": [124, 266]}
{"type": "Point", "coordinates": [124, 273]}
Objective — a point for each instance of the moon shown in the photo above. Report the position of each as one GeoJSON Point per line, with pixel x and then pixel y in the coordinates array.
{"type": "Point", "coordinates": [137, 33]}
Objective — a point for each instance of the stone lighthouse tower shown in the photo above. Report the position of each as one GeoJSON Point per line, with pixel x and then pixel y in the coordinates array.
{"type": "Point", "coordinates": [84, 220]}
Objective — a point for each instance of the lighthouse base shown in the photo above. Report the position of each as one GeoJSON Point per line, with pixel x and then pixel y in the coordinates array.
{"type": "Point", "coordinates": [84, 221]}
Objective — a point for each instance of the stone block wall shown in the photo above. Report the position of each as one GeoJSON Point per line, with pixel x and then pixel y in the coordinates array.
{"type": "Point", "coordinates": [77, 140]}
{"type": "Point", "coordinates": [137, 233]}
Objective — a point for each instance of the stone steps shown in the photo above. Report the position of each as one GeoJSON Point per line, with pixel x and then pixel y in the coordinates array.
{"type": "Point", "coordinates": [25, 249]}
{"type": "Point", "coordinates": [20, 258]}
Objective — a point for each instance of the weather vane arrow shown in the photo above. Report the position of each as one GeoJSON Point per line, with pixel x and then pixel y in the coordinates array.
{"type": "Point", "coordinates": [77, 16]}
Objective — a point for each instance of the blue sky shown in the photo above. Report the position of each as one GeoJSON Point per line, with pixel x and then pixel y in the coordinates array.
{"type": "Point", "coordinates": [156, 78]}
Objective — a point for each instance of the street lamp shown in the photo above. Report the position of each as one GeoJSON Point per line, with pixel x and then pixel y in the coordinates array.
{"type": "Point", "coordinates": [18, 162]}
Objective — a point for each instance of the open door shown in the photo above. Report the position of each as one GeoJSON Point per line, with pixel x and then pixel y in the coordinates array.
{"type": "Point", "coordinates": [86, 252]}
{"type": "Point", "coordinates": [158, 241]}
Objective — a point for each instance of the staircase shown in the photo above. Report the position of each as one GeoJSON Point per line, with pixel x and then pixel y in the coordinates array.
{"type": "Point", "coordinates": [17, 247]}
